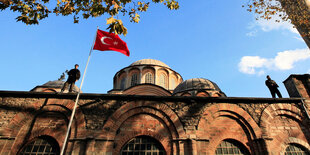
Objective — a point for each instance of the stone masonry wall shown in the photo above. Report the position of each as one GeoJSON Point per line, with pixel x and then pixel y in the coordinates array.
{"type": "Point", "coordinates": [103, 124]}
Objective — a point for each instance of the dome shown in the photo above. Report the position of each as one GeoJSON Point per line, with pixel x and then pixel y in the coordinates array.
{"type": "Point", "coordinates": [146, 71]}
{"type": "Point", "coordinates": [56, 85]}
{"type": "Point", "coordinates": [196, 84]}
{"type": "Point", "coordinates": [149, 62]}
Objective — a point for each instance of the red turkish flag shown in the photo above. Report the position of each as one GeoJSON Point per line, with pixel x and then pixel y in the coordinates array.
{"type": "Point", "coordinates": [106, 41]}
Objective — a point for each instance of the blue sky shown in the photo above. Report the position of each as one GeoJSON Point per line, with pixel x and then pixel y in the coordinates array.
{"type": "Point", "coordinates": [217, 40]}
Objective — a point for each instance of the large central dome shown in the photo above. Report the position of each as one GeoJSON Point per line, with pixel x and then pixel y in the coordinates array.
{"type": "Point", "coordinates": [146, 72]}
{"type": "Point", "coordinates": [149, 62]}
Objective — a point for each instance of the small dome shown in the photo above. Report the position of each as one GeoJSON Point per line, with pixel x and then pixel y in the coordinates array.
{"type": "Point", "coordinates": [149, 62]}
{"type": "Point", "coordinates": [196, 84]}
{"type": "Point", "coordinates": [56, 85]}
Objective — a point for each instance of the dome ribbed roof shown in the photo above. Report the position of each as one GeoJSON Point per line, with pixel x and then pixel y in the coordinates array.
{"type": "Point", "coordinates": [55, 84]}
{"type": "Point", "coordinates": [196, 84]}
{"type": "Point", "coordinates": [149, 62]}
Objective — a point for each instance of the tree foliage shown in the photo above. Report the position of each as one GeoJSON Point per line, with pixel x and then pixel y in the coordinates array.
{"type": "Point", "coordinates": [32, 11]}
{"type": "Point", "coordinates": [295, 11]}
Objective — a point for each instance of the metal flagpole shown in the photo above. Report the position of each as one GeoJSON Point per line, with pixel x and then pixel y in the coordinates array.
{"type": "Point", "coordinates": [76, 100]}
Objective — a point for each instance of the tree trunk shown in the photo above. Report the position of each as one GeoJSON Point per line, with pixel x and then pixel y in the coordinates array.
{"type": "Point", "coordinates": [299, 13]}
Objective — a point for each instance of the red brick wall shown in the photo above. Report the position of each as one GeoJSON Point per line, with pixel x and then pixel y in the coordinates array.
{"type": "Point", "coordinates": [194, 128]}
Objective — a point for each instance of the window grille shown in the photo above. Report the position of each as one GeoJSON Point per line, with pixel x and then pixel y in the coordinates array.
{"type": "Point", "coordinates": [149, 78]}
{"type": "Point", "coordinates": [230, 147]}
{"type": "Point", "coordinates": [143, 146]}
{"type": "Point", "coordinates": [295, 149]}
{"type": "Point", "coordinates": [123, 82]}
{"type": "Point", "coordinates": [162, 80]}
{"type": "Point", "coordinates": [134, 80]}
{"type": "Point", "coordinates": [40, 146]}
{"type": "Point", "coordinates": [173, 85]}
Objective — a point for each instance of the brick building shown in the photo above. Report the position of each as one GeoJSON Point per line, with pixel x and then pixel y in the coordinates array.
{"type": "Point", "coordinates": [152, 111]}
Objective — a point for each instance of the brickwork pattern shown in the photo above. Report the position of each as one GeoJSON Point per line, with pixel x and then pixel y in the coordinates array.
{"type": "Point", "coordinates": [191, 127]}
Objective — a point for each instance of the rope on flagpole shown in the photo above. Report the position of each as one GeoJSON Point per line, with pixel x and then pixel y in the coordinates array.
{"type": "Point", "coordinates": [77, 99]}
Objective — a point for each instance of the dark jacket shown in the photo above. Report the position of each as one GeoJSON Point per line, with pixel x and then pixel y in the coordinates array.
{"type": "Point", "coordinates": [271, 84]}
{"type": "Point", "coordinates": [74, 75]}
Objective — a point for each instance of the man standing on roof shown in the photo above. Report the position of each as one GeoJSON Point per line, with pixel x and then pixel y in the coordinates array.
{"type": "Point", "coordinates": [74, 75]}
{"type": "Point", "coordinates": [273, 87]}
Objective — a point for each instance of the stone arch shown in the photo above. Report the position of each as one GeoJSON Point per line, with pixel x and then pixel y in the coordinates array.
{"type": "Point", "coordinates": [293, 140]}
{"type": "Point", "coordinates": [158, 109]}
{"type": "Point", "coordinates": [131, 69]}
{"type": "Point", "coordinates": [146, 70]}
{"type": "Point", "coordinates": [233, 110]}
{"type": "Point", "coordinates": [118, 79]}
{"type": "Point", "coordinates": [50, 140]}
{"type": "Point", "coordinates": [31, 130]}
{"type": "Point", "coordinates": [22, 118]}
{"type": "Point", "coordinates": [230, 138]}
{"type": "Point", "coordinates": [202, 93]}
{"type": "Point", "coordinates": [236, 114]}
{"type": "Point", "coordinates": [120, 74]}
{"type": "Point", "coordinates": [133, 72]}
{"type": "Point", "coordinates": [25, 126]}
{"type": "Point", "coordinates": [163, 78]}
{"type": "Point", "coordinates": [276, 110]}
{"type": "Point", "coordinates": [165, 141]}
{"type": "Point", "coordinates": [49, 90]}
{"type": "Point", "coordinates": [157, 137]}
{"type": "Point", "coordinates": [78, 113]}
{"type": "Point", "coordinates": [217, 94]}
{"type": "Point", "coordinates": [162, 69]}
{"type": "Point", "coordinates": [173, 81]}
{"type": "Point", "coordinates": [282, 121]}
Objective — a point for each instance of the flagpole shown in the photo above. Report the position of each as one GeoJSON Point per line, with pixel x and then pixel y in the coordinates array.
{"type": "Point", "coordinates": [77, 99]}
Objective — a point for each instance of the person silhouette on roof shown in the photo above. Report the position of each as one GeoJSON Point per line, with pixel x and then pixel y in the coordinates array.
{"type": "Point", "coordinates": [273, 87]}
{"type": "Point", "coordinates": [74, 75]}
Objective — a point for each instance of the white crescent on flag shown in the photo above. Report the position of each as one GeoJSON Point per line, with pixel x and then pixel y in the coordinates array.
{"type": "Point", "coordinates": [102, 40]}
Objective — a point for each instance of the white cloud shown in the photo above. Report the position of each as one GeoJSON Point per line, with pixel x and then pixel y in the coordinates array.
{"type": "Point", "coordinates": [261, 72]}
{"type": "Point", "coordinates": [282, 61]}
{"type": "Point", "coordinates": [270, 25]}
{"type": "Point", "coordinates": [285, 60]}
{"type": "Point", "coordinates": [308, 71]}
{"type": "Point", "coordinates": [251, 34]}
{"type": "Point", "coordinates": [248, 64]}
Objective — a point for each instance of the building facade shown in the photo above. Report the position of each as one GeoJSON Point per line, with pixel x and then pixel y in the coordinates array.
{"type": "Point", "coordinates": [152, 111]}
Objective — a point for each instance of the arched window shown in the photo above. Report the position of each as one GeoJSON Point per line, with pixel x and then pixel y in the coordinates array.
{"type": "Point", "coordinates": [143, 145]}
{"type": "Point", "coordinates": [41, 145]}
{"type": "Point", "coordinates": [123, 82]}
{"type": "Point", "coordinates": [134, 79]}
{"type": "Point", "coordinates": [231, 147]}
{"type": "Point", "coordinates": [149, 78]}
{"type": "Point", "coordinates": [162, 80]}
{"type": "Point", "coordinates": [293, 149]}
{"type": "Point", "coordinates": [173, 83]}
